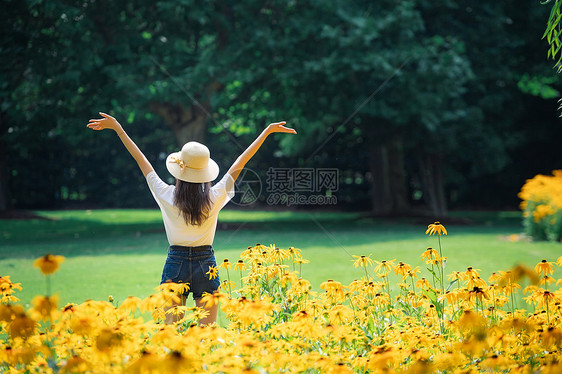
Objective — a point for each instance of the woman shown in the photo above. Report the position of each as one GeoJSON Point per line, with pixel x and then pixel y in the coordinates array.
{"type": "Point", "coordinates": [190, 208]}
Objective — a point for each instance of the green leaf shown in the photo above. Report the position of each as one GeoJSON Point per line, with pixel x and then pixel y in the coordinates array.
{"type": "Point", "coordinates": [451, 284]}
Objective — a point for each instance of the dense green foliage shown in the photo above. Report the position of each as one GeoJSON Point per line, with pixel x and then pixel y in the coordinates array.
{"type": "Point", "coordinates": [415, 102]}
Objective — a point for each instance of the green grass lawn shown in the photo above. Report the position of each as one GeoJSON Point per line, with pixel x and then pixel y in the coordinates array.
{"type": "Point", "coordinates": [121, 252]}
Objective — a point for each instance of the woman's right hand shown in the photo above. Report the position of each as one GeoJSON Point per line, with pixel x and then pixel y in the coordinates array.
{"type": "Point", "coordinates": [107, 122]}
{"type": "Point", "coordinates": [279, 127]}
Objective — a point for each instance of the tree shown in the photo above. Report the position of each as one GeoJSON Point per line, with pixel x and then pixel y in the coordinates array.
{"type": "Point", "coordinates": [402, 97]}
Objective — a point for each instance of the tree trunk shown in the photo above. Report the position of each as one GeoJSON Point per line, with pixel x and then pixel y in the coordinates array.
{"type": "Point", "coordinates": [4, 175]}
{"type": "Point", "coordinates": [188, 124]}
{"type": "Point", "coordinates": [431, 170]}
{"type": "Point", "coordinates": [389, 192]}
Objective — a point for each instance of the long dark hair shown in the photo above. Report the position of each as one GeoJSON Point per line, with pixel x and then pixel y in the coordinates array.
{"type": "Point", "coordinates": [193, 201]}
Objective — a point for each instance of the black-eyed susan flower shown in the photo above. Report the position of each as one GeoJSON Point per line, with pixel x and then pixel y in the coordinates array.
{"type": "Point", "coordinates": [423, 283]}
{"type": "Point", "coordinates": [7, 290]}
{"type": "Point", "coordinates": [44, 307]}
{"type": "Point", "coordinates": [213, 272]}
{"type": "Point", "coordinates": [296, 252]}
{"type": "Point", "coordinates": [177, 310]}
{"type": "Point", "coordinates": [49, 263]}
{"type": "Point", "coordinates": [436, 228]}
{"type": "Point", "coordinates": [9, 311]}
{"type": "Point", "coordinates": [227, 285]}
{"type": "Point", "coordinates": [544, 267]}
{"type": "Point", "coordinates": [108, 338]}
{"type": "Point", "coordinates": [212, 299]}
{"type": "Point", "coordinates": [385, 266]}
{"type": "Point", "coordinates": [76, 364]}
{"type": "Point", "coordinates": [130, 304]}
{"type": "Point", "coordinates": [227, 265]}
{"type": "Point", "coordinates": [471, 273]}
{"type": "Point", "coordinates": [402, 269]}
{"type": "Point", "coordinates": [412, 273]}
{"type": "Point", "coordinates": [478, 293]}
{"type": "Point", "coordinates": [240, 265]}
{"type": "Point", "coordinates": [22, 326]}
{"type": "Point", "coordinates": [362, 261]}
{"type": "Point", "coordinates": [429, 254]}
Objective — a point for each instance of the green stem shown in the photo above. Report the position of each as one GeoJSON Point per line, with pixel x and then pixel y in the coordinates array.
{"type": "Point", "coordinates": [547, 313]}
{"type": "Point", "coordinates": [512, 299]}
{"type": "Point", "coordinates": [442, 270]}
{"type": "Point", "coordinates": [229, 282]}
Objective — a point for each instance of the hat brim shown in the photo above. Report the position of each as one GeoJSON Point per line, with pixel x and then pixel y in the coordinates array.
{"type": "Point", "coordinates": [187, 174]}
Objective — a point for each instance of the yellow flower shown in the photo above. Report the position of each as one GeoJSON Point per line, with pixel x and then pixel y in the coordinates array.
{"type": "Point", "coordinates": [362, 261]}
{"type": "Point", "coordinates": [75, 364]}
{"type": "Point", "coordinates": [429, 254]}
{"type": "Point", "coordinates": [44, 307]}
{"type": "Point", "coordinates": [542, 211]}
{"type": "Point", "coordinates": [471, 273]}
{"type": "Point", "coordinates": [213, 272]}
{"type": "Point", "coordinates": [334, 290]}
{"type": "Point", "coordinates": [455, 275]}
{"type": "Point", "coordinates": [516, 274]}
{"type": "Point", "coordinates": [541, 297]}
{"type": "Point", "coordinates": [211, 299]}
{"type": "Point", "coordinates": [494, 278]}
{"type": "Point", "coordinates": [240, 265]}
{"type": "Point", "coordinates": [423, 283]}
{"type": "Point", "coordinates": [544, 267]}
{"type": "Point", "coordinates": [130, 304]}
{"type": "Point", "coordinates": [478, 293]}
{"type": "Point", "coordinates": [385, 266]}
{"type": "Point", "coordinates": [436, 228]}
{"type": "Point", "coordinates": [227, 285]}
{"type": "Point", "coordinates": [22, 326]}
{"type": "Point", "coordinates": [227, 265]}
{"type": "Point", "coordinates": [294, 252]}
{"type": "Point", "coordinates": [177, 310]}
{"type": "Point", "coordinates": [402, 269]}
{"type": "Point", "coordinates": [412, 273]}
{"type": "Point", "coordinates": [6, 285]}
{"type": "Point", "coordinates": [49, 263]}
{"type": "Point", "coordinates": [108, 338]}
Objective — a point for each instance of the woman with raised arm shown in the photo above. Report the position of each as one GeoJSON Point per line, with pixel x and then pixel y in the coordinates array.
{"type": "Point", "coordinates": [190, 208]}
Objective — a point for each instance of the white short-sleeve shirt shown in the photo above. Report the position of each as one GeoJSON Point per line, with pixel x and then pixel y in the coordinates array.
{"type": "Point", "coordinates": [177, 230]}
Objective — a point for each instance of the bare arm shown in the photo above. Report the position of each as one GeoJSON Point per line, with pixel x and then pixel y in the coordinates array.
{"type": "Point", "coordinates": [108, 122]}
{"type": "Point", "coordinates": [241, 161]}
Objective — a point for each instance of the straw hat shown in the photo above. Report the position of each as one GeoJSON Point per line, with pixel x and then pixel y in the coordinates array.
{"type": "Point", "coordinates": [193, 164]}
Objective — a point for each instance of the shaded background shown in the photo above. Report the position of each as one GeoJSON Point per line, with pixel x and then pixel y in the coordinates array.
{"type": "Point", "coordinates": [422, 106]}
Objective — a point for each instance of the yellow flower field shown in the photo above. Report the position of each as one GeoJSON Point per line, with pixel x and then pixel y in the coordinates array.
{"type": "Point", "coordinates": [388, 320]}
{"type": "Point", "coordinates": [542, 206]}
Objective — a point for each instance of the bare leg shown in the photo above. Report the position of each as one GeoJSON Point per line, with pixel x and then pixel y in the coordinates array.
{"type": "Point", "coordinates": [172, 318]}
{"type": "Point", "coordinates": [212, 317]}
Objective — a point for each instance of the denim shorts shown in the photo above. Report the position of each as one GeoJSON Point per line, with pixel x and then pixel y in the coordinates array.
{"type": "Point", "coordinates": [189, 265]}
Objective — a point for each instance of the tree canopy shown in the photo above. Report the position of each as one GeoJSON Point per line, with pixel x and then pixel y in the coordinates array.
{"type": "Point", "coordinates": [416, 103]}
